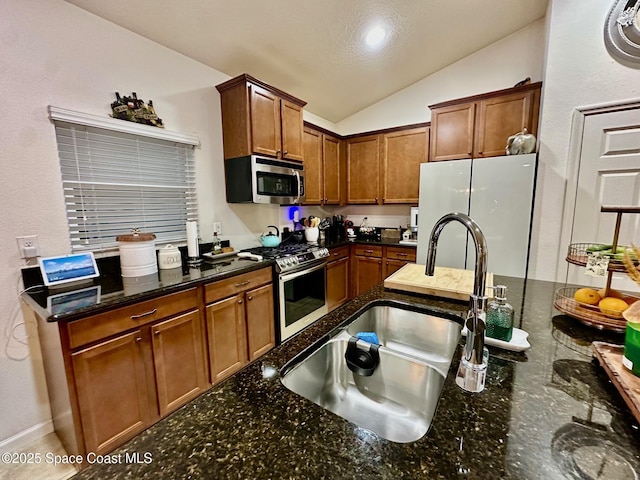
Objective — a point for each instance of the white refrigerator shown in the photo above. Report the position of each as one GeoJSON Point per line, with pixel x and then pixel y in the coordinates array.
{"type": "Point", "coordinates": [497, 193]}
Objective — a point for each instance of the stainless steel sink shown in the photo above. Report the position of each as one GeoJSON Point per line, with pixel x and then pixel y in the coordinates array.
{"type": "Point", "coordinates": [397, 402]}
{"type": "Point", "coordinates": [422, 335]}
{"type": "Point", "coordinates": [399, 399]}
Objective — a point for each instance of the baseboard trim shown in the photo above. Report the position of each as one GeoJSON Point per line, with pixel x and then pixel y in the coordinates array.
{"type": "Point", "coordinates": [24, 438]}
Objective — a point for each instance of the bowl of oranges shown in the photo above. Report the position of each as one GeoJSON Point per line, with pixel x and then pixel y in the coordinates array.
{"type": "Point", "coordinates": [599, 308]}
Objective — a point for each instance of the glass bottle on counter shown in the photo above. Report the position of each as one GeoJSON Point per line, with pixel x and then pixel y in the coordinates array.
{"type": "Point", "coordinates": [217, 245]}
{"type": "Point", "coordinates": [500, 316]}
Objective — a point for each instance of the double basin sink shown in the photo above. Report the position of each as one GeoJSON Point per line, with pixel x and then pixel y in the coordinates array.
{"type": "Point", "coordinates": [398, 400]}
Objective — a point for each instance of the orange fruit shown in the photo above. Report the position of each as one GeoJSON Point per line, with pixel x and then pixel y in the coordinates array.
{"type": "Point", "coordinates": [588, 296]}
{"type": "Point", "coordinates": [612, 293]}
{"type": "Point", "coordinates": [612, 305]}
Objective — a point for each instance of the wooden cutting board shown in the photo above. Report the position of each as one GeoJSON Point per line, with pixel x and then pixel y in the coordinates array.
{"type": "Point", "coordinates": [446, 282]}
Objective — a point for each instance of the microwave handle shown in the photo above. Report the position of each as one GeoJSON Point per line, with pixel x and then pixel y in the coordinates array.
{"type": "Point", "coordinates": [298, 179]}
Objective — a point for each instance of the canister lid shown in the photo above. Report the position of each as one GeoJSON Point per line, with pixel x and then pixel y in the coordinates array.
{"type": "Point", "coordinates": [136, 236]}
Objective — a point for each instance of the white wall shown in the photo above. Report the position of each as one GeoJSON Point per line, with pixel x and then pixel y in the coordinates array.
{"type": "Point", "coordinates": [53, 53]}
{"type": "Point", "coordinates": [497, 66]}
{"type": "Point", "coordinates": [579, 72]}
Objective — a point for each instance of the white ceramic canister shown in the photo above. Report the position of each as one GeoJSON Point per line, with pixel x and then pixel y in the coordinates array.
{"type": "Point", "coordinates": [137, 254]}
{"type": "Point", "coordinates": [169, 257]}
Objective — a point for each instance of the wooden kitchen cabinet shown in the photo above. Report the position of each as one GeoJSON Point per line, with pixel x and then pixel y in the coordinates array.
{"type": "Point", "coordinates": [397, 257]}
{"type": "Point", "coordinates": [402, 153]}
{"type": "Point", "coordinates": [322, 168]}
{"type": "Point", "coordinates": [371, 264]}
{"type": "Point", "coordinates": [366, 264]}
{"type": "Point", "coordinates": [133, 365]}
{"type": "Point", "coordinates": [363, 169]}
{"type": "Point", "coordinates": [479, 126]}
{"type": "Point", "coordinates": [260, 119]}
{"type": "Point", "coordinates": [337, 277]}
{"type": "Point", "coordinates": [113, 391]}
{"type": "Point", "coordinates": [385, 168]}
{"type": "Point", "coordinates": [240, 327]}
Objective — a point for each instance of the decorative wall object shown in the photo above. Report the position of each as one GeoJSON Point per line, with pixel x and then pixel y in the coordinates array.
{"type": "Point", "coordinates": [622, 32]}
{"type": "Point", "coordinates": [521, 142]}
{"type": "Point", "coordinates": [134, 109]}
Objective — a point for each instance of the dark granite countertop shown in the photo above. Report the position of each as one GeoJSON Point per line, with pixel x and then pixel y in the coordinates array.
{"type": "Point", "coordinates": [549, 412]}
{"type": "Point", "coordinates": [110, 290]}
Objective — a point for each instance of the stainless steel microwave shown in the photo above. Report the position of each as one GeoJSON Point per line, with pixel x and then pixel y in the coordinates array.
{"type": "Point", "coordinates": [256, 179]}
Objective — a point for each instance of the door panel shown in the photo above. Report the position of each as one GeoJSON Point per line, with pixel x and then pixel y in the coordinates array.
{"type": "Point", "coordinates": [444, 188]}
{"type": "Point", "coordinates": [265, 122]}
{"type": "Point", "coordinates": [402, 154]}
{"type": "Point", "coordinates": [261, 333]}
{"type": "Point", "coordinates": [179, 360]}
{"type": "Point", "coordinates": [363, 167]}
{"type": "Point", "coordinates": [331, 170]}
{"type": "Point", "coordinates": [609, 174]}
{"type": "Point", "coordinates": [292, 125]}
{"type": "Point", "coordinates": [312, 167]}
{"type": "Point", "coordinates": [226, 332]}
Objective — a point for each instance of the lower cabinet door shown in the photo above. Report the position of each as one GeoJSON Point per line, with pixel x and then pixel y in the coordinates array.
{"type": "Point", "coordinates": [261, 333]}
{"type": "Point", "coordinates": [179, 360]}
{"type": "Point", "coordinates": [392, 266]}
{"type": "Point", "coordinates": [337, 282]}
{"type": "Point", "coordinates": [227, 337]}
{"type": "Point", "coordinates": [112, 386]}
{"type": "Point", "coordinates": [367, 272]}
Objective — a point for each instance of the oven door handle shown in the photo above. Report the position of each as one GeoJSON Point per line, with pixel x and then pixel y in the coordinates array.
{"type": "Point", "coordinates": [290, 276]}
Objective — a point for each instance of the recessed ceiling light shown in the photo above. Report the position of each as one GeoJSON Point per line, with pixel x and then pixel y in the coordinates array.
{"type": "Point", "coordinates": [376, 36]}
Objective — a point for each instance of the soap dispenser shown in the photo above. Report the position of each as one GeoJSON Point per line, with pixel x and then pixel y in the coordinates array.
{"type": "Point", "coordinates": [499, 316]}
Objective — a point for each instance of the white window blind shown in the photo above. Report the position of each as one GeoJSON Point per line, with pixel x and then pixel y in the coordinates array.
{"type": "Point", "coordinates": [115, 181]}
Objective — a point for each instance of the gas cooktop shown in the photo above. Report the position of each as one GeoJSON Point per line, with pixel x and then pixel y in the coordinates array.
{"type": "Point", "coordinates": [291, 256]}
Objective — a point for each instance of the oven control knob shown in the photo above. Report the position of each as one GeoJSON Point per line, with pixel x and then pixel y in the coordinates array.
{"type": "Point", "coordinates": [294, 260]}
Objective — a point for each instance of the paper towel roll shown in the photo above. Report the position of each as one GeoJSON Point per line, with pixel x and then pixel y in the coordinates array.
{"type": "Point", "coordinates": [192, 240]}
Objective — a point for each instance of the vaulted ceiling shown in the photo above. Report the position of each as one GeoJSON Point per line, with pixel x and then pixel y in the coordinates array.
{"type": "Point", "coordinates": [317, 51]}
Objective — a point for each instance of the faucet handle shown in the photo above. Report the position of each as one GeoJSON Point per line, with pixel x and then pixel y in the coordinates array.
{"type": "Point", "coordinates": [471, 377]}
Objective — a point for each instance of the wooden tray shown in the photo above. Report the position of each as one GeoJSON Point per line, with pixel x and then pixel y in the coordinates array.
{"type": "Point", "coordinates": [610, 357]}
{"type": "Point", "coordinates": [446, 282]}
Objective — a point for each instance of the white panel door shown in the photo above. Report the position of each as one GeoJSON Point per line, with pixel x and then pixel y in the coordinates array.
{"type": "Point", "coordinates": [444, 188]}
{"type": "Point", "coordinates": [609, 174]}
{"type": "Point", "coordinates": [501, 202]}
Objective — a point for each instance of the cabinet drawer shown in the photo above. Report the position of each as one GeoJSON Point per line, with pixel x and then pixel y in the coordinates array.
{"type": "Point", "coordinates": [104, 325]}
{"type": "Point", "coordinates": [338, 253]}
{"type": "Point", "coordinates": [234, 285]}
{"type": "Point", "coordinates": [368, 250]}
{"type": "Point", "coordinates": [399, 253]}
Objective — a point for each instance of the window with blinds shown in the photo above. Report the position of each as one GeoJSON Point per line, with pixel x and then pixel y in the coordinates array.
{"type": "Point", "coordinates": [114, 182]}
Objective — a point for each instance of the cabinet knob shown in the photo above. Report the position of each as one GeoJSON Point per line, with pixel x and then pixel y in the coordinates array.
{"type": "Point", "coordinates": [239, 301]}
{"type": "Point", "coordinates": [138, 339]}
{"type": "Point", "coordinates": [249, 297]}
{"type": "Point", "coordinates": [285, 152]}
{"type": "Point", "coordinates": [157, 332]}
{"type": "Point", "coordinates": [242, 284]}
{"type": "Point", "coordinates": [380, 262]}
{"type": "Point", "coordinates": [376, 199]}
{"type": "Point", "coordinates": [402, 254]}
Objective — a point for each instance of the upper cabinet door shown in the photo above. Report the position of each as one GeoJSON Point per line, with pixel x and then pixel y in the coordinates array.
{"type": "Point", "coordinates": [499, 118]}
{"type": "Point", "coordinates": [402, 154]}
{"type": "Point", "coordinates": [331, 169]}
{"type": "Point", "coordinates": [452, 132]}
{"type": "Point", "coordinates": [292, 125]}
{"type": "Point", "coordinates": [363, 168]}
{"type": "Point", "coordinates": [312, 167]}
{"type": "Point", "coordinates": [265, 122]}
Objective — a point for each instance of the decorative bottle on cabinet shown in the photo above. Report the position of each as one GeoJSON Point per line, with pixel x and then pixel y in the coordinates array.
{"type": "Point", "coordinates": [500, 316]}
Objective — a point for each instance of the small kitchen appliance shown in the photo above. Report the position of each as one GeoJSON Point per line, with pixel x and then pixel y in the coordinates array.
{"type": "Point", "coordinates": [256, 179]}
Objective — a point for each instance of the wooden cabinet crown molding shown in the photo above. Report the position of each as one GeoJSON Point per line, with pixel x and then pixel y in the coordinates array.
{"type": "Point", "coordinates": [246, 78]}
{"type": "Point", "coordinates": [483, 96]}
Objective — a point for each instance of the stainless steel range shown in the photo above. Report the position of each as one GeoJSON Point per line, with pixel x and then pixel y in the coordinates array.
{"type": "Point", "coordinates": [302, 289]}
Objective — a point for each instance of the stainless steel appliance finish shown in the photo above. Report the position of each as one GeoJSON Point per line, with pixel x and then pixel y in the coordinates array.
{"type": "Point", "coordinates": [426, 337]}
{"type": "Point", "coordinates": [256, 179]}
{"type": "Point", "coordinates": [302, 291]}
{"type": "Point", "coordinates": [398, 401]}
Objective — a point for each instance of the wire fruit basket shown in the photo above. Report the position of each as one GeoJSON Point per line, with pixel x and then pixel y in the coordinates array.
{"type": "Point", "coordinates": [590, 315]}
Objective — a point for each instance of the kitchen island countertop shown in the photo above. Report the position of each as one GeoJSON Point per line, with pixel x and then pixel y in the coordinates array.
{"type": "Point", "coordinates": [549, 412]}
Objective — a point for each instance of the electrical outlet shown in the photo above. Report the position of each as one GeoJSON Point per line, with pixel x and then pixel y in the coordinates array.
{"type": "Point", "coordinates": [217, 228]}
{"type": "Point", "coordinates": [28, 246]}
